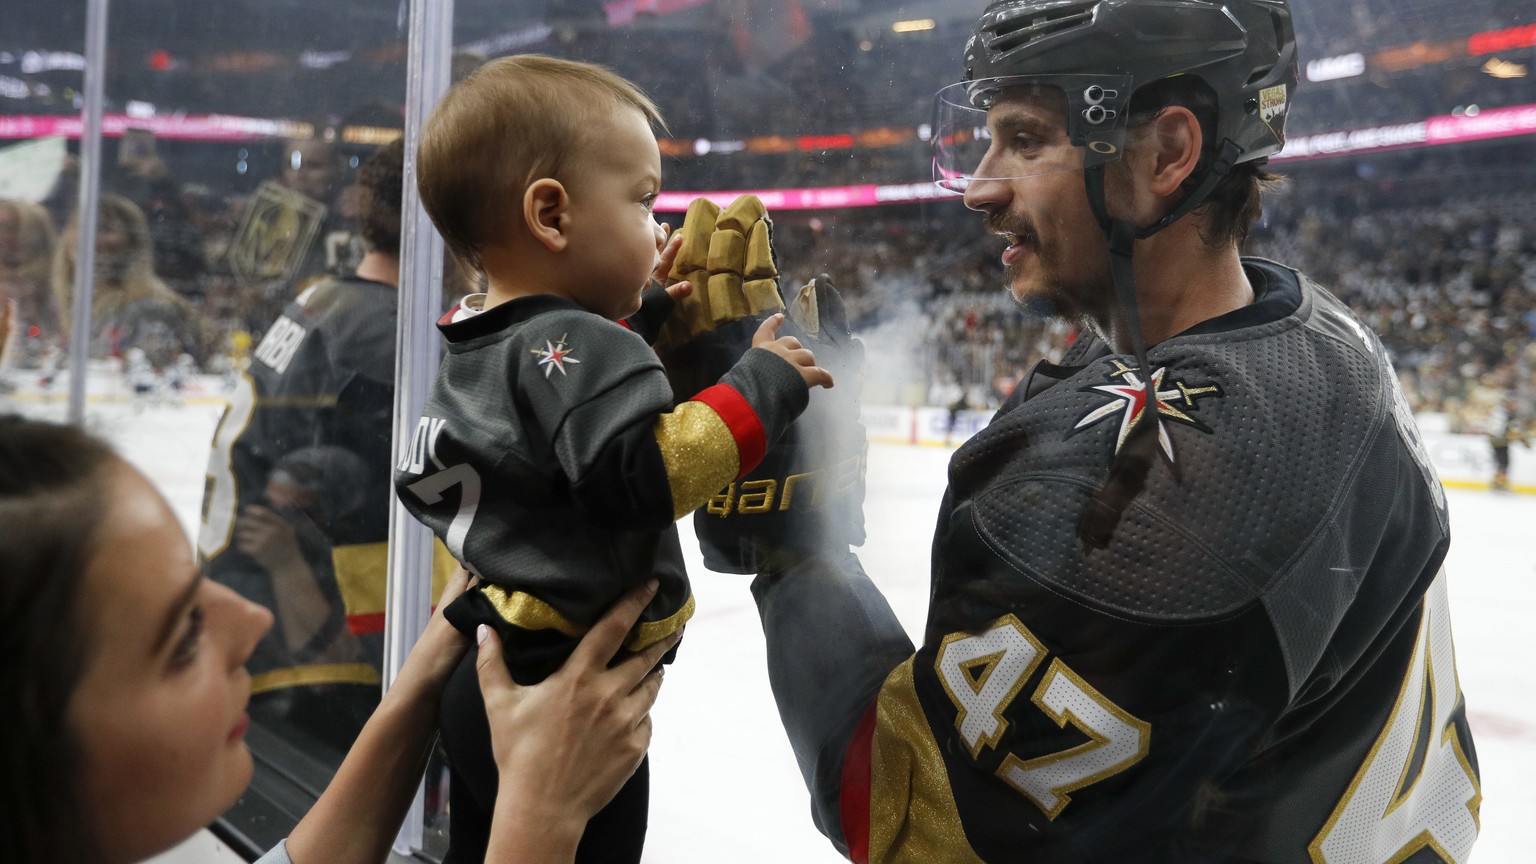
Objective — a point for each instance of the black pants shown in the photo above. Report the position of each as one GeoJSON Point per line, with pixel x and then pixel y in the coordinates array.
{"type": "Point", "coordinates": [614, 836]}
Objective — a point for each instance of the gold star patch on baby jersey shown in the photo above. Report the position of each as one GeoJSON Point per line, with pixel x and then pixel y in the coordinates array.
{"type": "Point", "coordinates": [1130, 403]}
{"type": "Point", "coordinates": [554, 356]}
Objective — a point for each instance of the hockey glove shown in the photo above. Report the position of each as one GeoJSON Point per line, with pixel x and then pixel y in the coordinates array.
{"type": "Point", "coordinates": [727, 256]}
{"type": "Point", "coordinates": [807, 495]}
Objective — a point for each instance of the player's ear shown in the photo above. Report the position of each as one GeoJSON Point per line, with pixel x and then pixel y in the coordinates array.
{"type": "Point", "coordinates": [1174, 143]}
{"type": "Point", "coordinates": [546, 207]}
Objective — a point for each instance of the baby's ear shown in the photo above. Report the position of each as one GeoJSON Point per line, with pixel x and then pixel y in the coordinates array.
{"type": "Point", "coordinates": [545, 212]}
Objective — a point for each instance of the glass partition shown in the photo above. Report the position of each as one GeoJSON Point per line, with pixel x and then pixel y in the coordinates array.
{"type": "Point", "coordinates": [242, 335]}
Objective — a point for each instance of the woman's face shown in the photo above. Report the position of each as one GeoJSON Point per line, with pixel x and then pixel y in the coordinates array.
{"type": "Point", "coordinates": [159, 714]}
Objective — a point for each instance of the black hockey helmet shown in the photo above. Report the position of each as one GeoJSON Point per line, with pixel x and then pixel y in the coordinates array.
{"type": "Point", "coordinates": [1098, 52]}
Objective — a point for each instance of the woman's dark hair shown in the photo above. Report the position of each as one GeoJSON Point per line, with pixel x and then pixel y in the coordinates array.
{"type": "Point", "coordinates": [53, 482]}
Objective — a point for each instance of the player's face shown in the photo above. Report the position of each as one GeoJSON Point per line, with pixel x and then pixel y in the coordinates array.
{"type": "Point", "coordinates": [159, 712]}
{"type": "Point", "coordinates": [613, 234]}
{"type": "Point", "coordinates": [1056, 250]}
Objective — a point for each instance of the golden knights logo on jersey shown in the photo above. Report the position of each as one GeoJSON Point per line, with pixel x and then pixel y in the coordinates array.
{"type": "Point", "coordinates": [1174, 398]}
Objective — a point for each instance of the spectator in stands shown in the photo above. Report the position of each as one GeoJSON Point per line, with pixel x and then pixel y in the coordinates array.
{"type": "Point", "coordinates": [125, 689]}
{"type": "Point", "coordinates": [143, 177]}
{"type": "Point", "coordinates": [130, 306]}
{"type": "Point", "coordinates": [26, 253]}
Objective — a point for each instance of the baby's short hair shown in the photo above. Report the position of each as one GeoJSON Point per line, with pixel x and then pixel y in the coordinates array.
{"type": "Point", "coordinates": [514, 120]}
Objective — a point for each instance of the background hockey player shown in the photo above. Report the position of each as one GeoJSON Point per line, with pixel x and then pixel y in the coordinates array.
{"type": "Point", "coordinates": [1187, 601]}
{"type": "Point", "coordinates": [315, 407]}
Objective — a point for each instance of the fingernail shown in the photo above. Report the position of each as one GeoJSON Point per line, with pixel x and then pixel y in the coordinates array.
{"type": "Point", "coordinates": [652, 585]}
{"type": "Point", "coordinates": [481, 632]}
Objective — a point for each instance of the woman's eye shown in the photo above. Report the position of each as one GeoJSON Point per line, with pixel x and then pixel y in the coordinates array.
{"type": "Point", "coordinates": [186, 647]}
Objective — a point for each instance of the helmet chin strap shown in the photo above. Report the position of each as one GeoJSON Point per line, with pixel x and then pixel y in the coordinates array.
{"type": "Point", "coordinates": [1133, 460]}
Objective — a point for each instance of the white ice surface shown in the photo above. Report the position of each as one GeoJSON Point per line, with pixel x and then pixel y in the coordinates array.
{"type": "Point", "coordinates": [724, 782]}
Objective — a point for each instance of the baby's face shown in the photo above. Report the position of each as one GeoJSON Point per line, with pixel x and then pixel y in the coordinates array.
{"type": "Point", "coordinates": [614, 238]}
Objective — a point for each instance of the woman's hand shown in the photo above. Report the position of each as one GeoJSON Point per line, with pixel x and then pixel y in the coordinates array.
{"type": "Point", "coordinates": [565, 746]}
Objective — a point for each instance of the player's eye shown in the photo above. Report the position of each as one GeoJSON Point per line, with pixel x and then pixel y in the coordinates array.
{"type": "Point", "coordinates": [1024, 143]}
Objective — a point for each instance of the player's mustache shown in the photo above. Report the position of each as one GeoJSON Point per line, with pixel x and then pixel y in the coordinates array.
{"type": "Point", "coordinates": [999, 222]}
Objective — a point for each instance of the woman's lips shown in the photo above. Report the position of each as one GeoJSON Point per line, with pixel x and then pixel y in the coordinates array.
{"type": "Point", "coordinates": [241, 725]}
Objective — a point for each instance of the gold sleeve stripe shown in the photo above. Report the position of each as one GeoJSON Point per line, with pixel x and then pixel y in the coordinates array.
{"type": "Point", "coordinates": [648, 633]}
{"type": "Point", "coordinates": [699, 452]}
{"type": "Point", "coordinates": [361, 573]}
{"type": "Point", "coordinates": [912, 814]}
{"type": "Point", "coordinates": [530, 613]}
{"type": "Point", "coordinates": [319, 673]}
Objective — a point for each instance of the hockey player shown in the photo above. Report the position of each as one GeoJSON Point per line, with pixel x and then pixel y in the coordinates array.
{"type": "Point", "coordinates": [550, 458]}
{"type": "Point", "coordinates": [1187, 599]}
{"type": "Point", "coordinates": [317, 397]}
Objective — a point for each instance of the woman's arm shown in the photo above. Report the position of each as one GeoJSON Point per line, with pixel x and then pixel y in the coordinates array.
{"type": "Point", "coordinates": [563, 747]}
{"type": "Point", "coordinates": [359, 814]}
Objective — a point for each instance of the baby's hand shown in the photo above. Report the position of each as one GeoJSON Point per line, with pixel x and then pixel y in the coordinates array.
{"type": "Point", "coordinates": [790, 349]}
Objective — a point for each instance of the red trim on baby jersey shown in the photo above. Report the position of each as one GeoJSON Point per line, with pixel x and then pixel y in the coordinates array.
{"type": "Point", "coordinates": [366, 623]}
{"type": "Point", "coordinates": [625, 324]}
{"type": "Point", "coordinates": [741, 419]}
{"type": "Point", "coordinates": [853, 802]}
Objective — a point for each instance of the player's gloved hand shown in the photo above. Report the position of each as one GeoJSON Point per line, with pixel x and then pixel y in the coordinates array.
{"type": "Point", "coordinates": [807, 495]}
{"type": "Point", "coordinates": [727, 257]}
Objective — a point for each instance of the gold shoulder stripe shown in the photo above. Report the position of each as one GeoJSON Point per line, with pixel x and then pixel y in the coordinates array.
{"type": "Point", "coordinates": [319, 673]}
{"type": "Point", "coordinates": [912, 814]}
{"type": "Point", "coordinates": [699, 453]}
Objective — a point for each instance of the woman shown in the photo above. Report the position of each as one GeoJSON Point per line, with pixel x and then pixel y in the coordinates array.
{"type": "Point", "coordinates": [26, 250]}
{"type": "Point", "coordinates": [131, 307]}
{"type": "Point", "coordinates": [124, 689]}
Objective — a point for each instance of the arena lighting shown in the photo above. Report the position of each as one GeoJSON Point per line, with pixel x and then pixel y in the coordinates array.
{"type": "Point", "coordinates": [1504, 69]}
{"type": "Point", "coordinates": [376, 136]}
{"type": "Point", "coordinates": [825, 142]}
{"type": "Point", "coordinates": [913, 26]}
{"type": "Point", "coordinates": [33, 62]}
{"type": "Point", "coordinates": [1335, 68]}
{"type": "Point", "coordinates": [1415, 55]}
{"type": "Point", "coordinates": [1508, 39]}
{"type": "Point", "coordinates": [179, 127]}
{"type": "Point", "coordinates": [815, 198]}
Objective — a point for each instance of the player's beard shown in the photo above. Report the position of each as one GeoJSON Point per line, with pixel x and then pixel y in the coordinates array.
{"type": "Point", "coordinates": [1080, 301]}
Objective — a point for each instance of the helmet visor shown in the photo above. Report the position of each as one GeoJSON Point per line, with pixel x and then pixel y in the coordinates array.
{"type": "Point", "coordinates": [1024, 125]}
